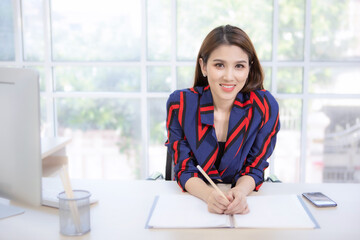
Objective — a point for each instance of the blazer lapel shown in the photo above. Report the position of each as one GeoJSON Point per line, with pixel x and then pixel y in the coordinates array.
{"type": "Point", "coordinates": [206, 141]}
{"type": "Point", "coordinates": [205, 118]}
{"type": "Point", "coordinates": [239, 125]}
{"type": "Point", "coordinates": [207, 108]}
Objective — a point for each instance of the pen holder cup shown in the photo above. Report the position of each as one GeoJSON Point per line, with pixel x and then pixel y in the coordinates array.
{"type": "Point", "coordinates": [74, 213]}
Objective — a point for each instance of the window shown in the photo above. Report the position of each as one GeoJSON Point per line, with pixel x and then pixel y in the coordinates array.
{"type": "Point", "coordinates": [105, 77]}
{"type": "Point", "coordinates": [7, 48]}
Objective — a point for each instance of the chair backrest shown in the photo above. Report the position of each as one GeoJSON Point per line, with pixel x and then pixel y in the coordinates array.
{"type": "Point", "coordinates": [169, 167]}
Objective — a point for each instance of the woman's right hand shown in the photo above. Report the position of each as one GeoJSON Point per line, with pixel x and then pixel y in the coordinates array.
{"type": "Point", "coordinates": [216, 202]}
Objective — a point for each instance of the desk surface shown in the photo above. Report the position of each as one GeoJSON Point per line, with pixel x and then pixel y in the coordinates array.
{"type": "Point", "coordinates": [123, 209]}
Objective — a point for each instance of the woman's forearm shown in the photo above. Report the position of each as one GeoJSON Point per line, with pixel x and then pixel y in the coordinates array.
{"type": "Point", "coordinates": [245, 184]}
{"type": "Point", "coordinates": [197, 187]}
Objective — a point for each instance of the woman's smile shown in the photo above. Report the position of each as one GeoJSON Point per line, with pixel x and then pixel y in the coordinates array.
{"type": "Point", "coordinates": [227, 87]}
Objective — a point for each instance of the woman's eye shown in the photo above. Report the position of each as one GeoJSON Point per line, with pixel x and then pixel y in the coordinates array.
{"type": "Point", "coordinates": [219, 65]}
{"type": "Point", "coordinates": [239, 66]}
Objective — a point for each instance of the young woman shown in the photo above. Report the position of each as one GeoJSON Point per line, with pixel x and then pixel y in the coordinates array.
{"type": "Point", "coordinates": [227, 123]}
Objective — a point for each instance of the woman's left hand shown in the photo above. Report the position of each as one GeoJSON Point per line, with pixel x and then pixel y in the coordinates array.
{"type": "Point", "coordinates": [238, 203]}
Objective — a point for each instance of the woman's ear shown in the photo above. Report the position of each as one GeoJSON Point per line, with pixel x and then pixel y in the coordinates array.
{"type": "Point", "coordinates": [203, 67]}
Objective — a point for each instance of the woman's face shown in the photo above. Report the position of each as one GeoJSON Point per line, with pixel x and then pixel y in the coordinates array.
{"type": "Point", "coordinates": [227, 70]}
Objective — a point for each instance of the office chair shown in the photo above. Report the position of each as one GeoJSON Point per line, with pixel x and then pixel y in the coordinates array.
{"type": "Point", "coordinates": [169, 167]}
{"type": "Point", "coordinates": [169, 170]}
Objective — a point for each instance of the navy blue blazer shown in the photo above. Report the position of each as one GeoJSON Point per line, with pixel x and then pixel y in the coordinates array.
{"type": "Point", "coordinates": [253, 125]}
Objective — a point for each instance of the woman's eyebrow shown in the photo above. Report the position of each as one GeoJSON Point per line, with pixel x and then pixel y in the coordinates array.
{"type": "Point", "coordinates": [220, 60]}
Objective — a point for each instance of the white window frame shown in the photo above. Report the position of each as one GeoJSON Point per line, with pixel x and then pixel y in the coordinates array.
{"type": "Point", "coordinates": [51, 96]}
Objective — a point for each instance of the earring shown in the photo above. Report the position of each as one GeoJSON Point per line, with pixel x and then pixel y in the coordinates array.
{"type": "Point", "coordinates": [204, 75]}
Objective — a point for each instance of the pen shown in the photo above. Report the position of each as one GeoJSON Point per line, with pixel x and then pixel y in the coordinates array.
{"type": "Point", "coordinates": [211, 182]}
{"type": "Point", "coordinates": [64, 175]}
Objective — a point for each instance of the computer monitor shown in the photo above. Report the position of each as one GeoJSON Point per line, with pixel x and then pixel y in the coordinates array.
{"type": "Point", "coordinates": [20, 142]}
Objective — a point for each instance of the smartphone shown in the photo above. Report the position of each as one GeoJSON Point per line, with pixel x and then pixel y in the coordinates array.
{"type": "Point", "coordinates": [319, 199]}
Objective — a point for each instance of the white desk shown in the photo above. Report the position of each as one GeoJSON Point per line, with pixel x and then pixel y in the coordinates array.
{"type": "Point", "coordinates": [124, 206]}
{"type": "Point", "coordinates": [53, 154]}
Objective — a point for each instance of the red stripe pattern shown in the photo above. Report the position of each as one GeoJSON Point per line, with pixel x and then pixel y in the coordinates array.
{"type": "Point", "coordinates": [254, 164]}
{"type": "Point", "coordinates": [253, 126]}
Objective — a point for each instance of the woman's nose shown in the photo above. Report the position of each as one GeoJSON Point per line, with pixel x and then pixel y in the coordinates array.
{"type": "Point", "coordinates": [228, 74]}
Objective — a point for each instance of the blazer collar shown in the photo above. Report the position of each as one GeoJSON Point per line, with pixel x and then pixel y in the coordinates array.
{"type": "Point", "coordinates": [242, 102]}
{"type": "Point", "coordinates": [206, 107]}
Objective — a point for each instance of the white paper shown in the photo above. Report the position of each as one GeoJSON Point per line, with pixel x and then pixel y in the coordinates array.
{"type": "Point", "coordinates": [185, 211]}
{"type": "Point", "coordinates": [4, 201]}
{"type": "Point", "coordinates": [275, 211]}
{"type": "Point", "coordinates": [9, 210]}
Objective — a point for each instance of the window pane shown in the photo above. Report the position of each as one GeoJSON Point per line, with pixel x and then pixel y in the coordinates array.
{"type": "Point", "coordinates": [291, 30]}
{"type": "Point", "coordinates": [333, 141]}
{"type": "Point", "coordinates": [158, 135]}
{"type": "Point", "coordinates": [33, 30]}
{"type": "Point", "coordinates": [80, 32]}
{"type": "Point", "coordinates": [267, 78]}
{"type": "Point", "coordinates": [335, 32]}
{"type": "Point", "coordinates": [287, 153]}
{"type": "Point", "coordinates": [195, 19]}
{"type": "Point", "coordinates": [7, 48]}
{"type": "Point", "coordinates": [159, 29]}
{"type": "Point", "coordinates": [289, 80]}
{"type": "Point", "coordinates": [334, 80]}
{"type": "Point", "coordinates": [123, 79]}
{"type": "Point", "coordinates": [159, 79]}
{"type": "Point", "coordinates": [105, 137]}
{"type": "Point", "coordinates": [185, 77]}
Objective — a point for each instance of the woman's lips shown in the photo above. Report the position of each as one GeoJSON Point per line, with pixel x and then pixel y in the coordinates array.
{"type": "Point", "coordinates": [227, 87]}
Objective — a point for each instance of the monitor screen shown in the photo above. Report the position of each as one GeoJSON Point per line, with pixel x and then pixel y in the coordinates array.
{"type": "Point", "coordinates": [20, 154]}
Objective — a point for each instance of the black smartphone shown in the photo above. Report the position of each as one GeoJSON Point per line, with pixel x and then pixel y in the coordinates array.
{"type": "Point", "coordinates": [319, 199]}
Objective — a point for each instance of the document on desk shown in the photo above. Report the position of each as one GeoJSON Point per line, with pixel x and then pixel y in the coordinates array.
{"type": "Point", "coordinates": [186, 211]}
{"type": "Point", "coordinates": [7, 210]}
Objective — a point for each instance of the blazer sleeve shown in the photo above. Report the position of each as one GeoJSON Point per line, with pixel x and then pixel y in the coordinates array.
{"type": "Point", "coordinates": [178, 146]}
{"type": "Point", "coordinates": [264, 144]}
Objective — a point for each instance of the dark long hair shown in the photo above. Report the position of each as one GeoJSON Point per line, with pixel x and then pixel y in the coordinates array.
{"type": "Point", "coordinates": [230, 35]}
